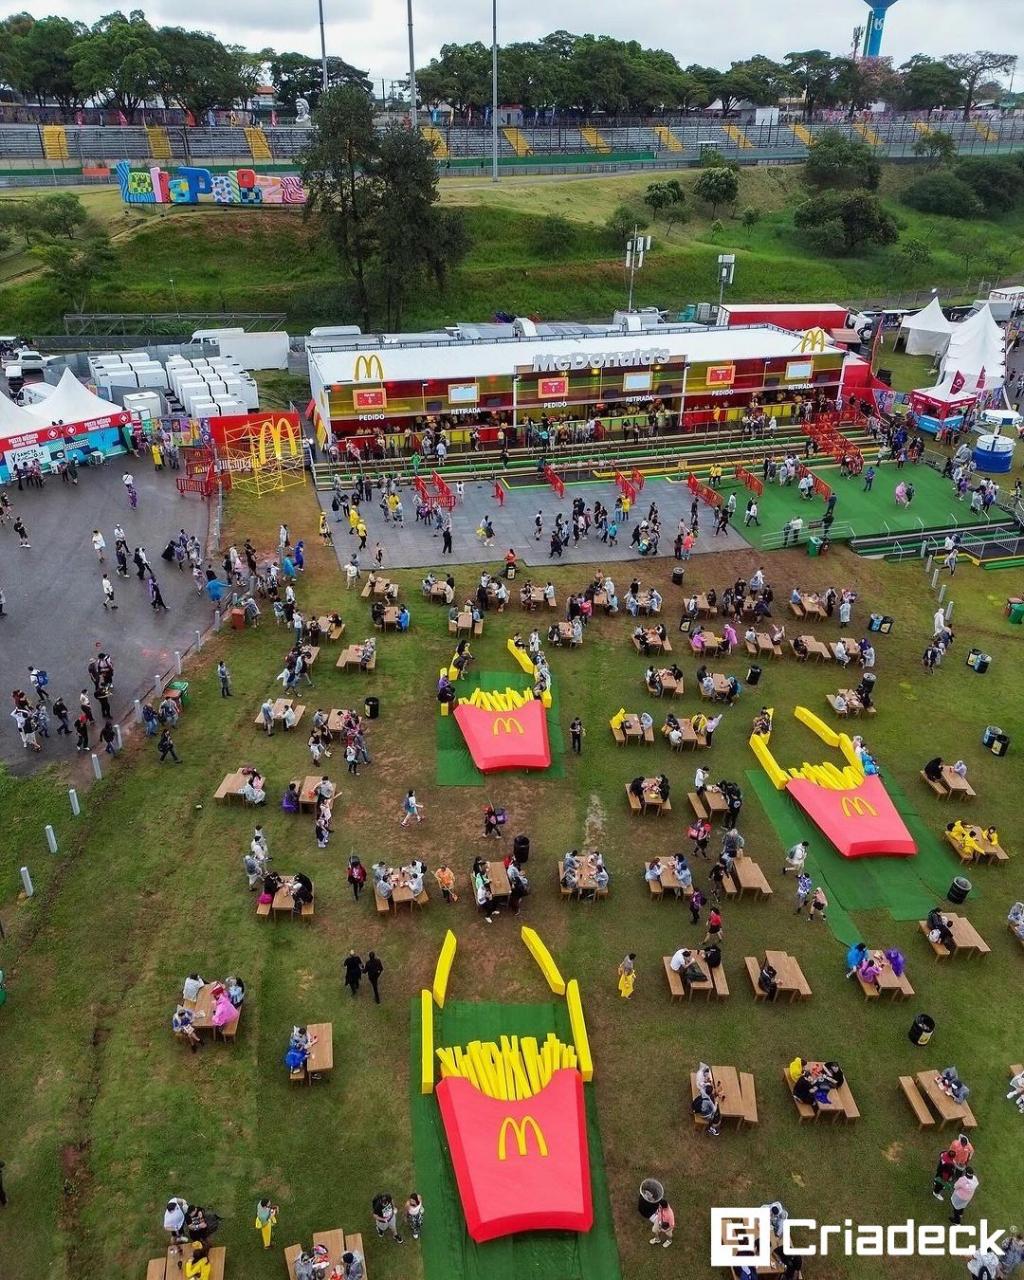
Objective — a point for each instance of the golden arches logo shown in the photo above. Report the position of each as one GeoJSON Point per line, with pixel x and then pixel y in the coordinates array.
{"type": "Point", "coordinates": [813, 340]}
{"type": "Point", "coordinates": [368, 369]}
{"type": "Point", "coordinates": [507, 724]}
{"type": "Point", "coordinates": [519, 1129]}
{"type": "Point", "coordinates": [859, 806]}
{"type": "Point", "coordinates": [273, 431]}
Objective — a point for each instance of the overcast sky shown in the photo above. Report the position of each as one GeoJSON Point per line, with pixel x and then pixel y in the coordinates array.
{"type": "Point", "coordinates": [372, 35]}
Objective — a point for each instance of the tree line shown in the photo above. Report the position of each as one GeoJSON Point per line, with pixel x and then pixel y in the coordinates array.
{"type": "Point", "coordinates": [586, 73]}
{"type": "Point", "coordinates": [124, 61]}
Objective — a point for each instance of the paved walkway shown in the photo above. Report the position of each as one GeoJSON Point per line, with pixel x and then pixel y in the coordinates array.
{"type": "Point", "coordinates": [413, 546]}
{"type": "Point", "coordinates": [56, 618]}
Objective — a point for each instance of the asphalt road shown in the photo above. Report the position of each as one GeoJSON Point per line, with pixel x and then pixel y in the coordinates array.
{"type": "Point", "coordinates": [55, 616]}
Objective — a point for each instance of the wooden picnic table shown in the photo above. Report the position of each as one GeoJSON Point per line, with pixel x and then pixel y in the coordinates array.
{"type": "Point", "coordinates": [955, 785]}
{"type": "Point", "coordinates": [840, 1102]}
{"type": "Point", "coordinates": [585, 880]}
{"type": "Point", "coordinates": [439, 592]}
{"type": "Point", "coordinates": [789, 975]}
{"type": "Point", "coordinates": [464, 622]}
{"type": "Point", "coordinates": [689, 735]}
{"type": "Point", "coordinates": [968, 940]}
{"type": "Point", "coordinates": [202, 1013]}
{"type": "Point", "coordinates": [376, 586]}
{"type": "Point", "coordinates": [565, 631]}
{"type": "Point", "coordinates": [816, 649]}
{"type": "Point", "coordinates": [600, 600]}
{"type": "Point", "coordinates": [231, 787]}
{"type": "Point", "coordinates": [715, 801]}
{"type": "Point", "coordinates": [704, 609]}
{"type": "Point", "coordinates": [307, 792]}
{"type": "Point", "coordinates": [321, 1055]}
{"type": "Point", "coordinates": [950, 1111]}
{"type": "Point", "coordinates": [813, 607]}
{"type": "Point", "coordinates": [721, 683]}
{"type": "Point", "coordinates": [632, 728]}
{"type": "Point", "coordinates": [498, 877]}
{"type": "Point", "coordinates": [390, 617]}
{"type": "Point", "coordinates": [281, 705]}
{"type": "Point", "coordinates": [336, 721]}
{"type": "Point", "coordinates": [765, 645]}
{"type": "Point", "coordinates": [748, 877]}
{"type": "Point", "coordinates": [352, 656]}
{"type": "Point", "coordinates": [333, 1242]}
{"type": "Point", "coordinates": [896, 988]}
{"type": "Point", "coordinates": [171, 1266]}
{"type": "Point", "coordinates": [668, 881]}
{"type": "Point", "coordinates": [531, 597]}
{"type": "Point", "coordinates": [654, 642]}
{"type": "Point", "coordinates": [734, 1101]}
{"type": "Point", "coordinates": [669, 684]}
{"type": "Point", "coordinates": [653, 798]}
{"type": "Point", "coordinates": [283, 903]}
{"type": "Point", "coordinates": [990, 851]}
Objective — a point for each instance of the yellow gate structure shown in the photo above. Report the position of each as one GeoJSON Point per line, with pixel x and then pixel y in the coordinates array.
{"type": "Point", "coordinates": [266, 456]}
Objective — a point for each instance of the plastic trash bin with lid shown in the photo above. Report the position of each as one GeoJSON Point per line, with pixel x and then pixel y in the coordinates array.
{"type": "Point", "coordinates": [1017, 613]}
{"type": "Point", "coordinates": [678, 574]}
{"type": "Point", "coordinates": [921, 1029]}
{"type": "Point", "coordinates": [651, 1193]}
{"type": "Point", "coordinates": [1000, 744]}
{"type": "Point", "coordinates": [182, 687]}
{"type": "Point", "coordinates": [372, 707]}
{"type": "Point", "coordinates": [753, 674]}
{"type": "Point", "coordinates": [237, 617]}
{"type": "Point", "coordinates": [979, 661]}
{"type": "Point", "coordinates": [959, 890]}
{"type": "Point", "coordinates": [814, 546]}
{"type": "Point", "coordinates": [991, 731]}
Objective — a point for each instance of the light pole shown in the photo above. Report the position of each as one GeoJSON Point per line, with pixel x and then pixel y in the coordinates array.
{"type": "Point", "coordinates": [494, 90]}
{"type": "Point", "coordinates": [412, 70]}
{"type": "Point", "coordinates": [323, 48]}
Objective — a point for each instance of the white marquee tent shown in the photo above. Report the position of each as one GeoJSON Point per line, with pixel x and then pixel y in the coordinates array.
{"type": "Point", "coordinates": [976, 344]}
{"type": "Point", "coordinates": [71, 403]}
{"type": "Point", "coordinates": [928, 331]}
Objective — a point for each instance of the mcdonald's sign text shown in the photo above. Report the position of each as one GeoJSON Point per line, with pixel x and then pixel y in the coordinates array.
{"type": "Point", "coordinates": [368, 401]}
{"type": "Point", "coordinates": [368, 369]}
{"type": "Point", "coordinates": [520, 1128]}
{"type": "Point", "coordinates": [857, 805]}
{"type": "Point", "coordinates": [506, 724]}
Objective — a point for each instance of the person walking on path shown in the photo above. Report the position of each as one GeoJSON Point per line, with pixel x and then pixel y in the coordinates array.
{"type": "Point", "coordinates": [60, 710]}
{"type": "Point", "coordinates": [108, 593]}
{"type": "Point", "coordinates": [266, 1220]}
{"type": "Point", "coordinates": [963, 1193]}
{"type": "Point", "coordinates": [663, 1223]}
{"type": "Point", "coordinates": [818, 905]}
{"type": "Point", "coordinates": [356, 876]}
{"type": "Point", "coordinates": [373, 969]}
{"type": "Point", "coordinates": [21, 531]}
{"type": "Point", "coordinates": [155, 598]}
{"type": "Point", "coordinates": [166, 747]}
{"type": "Point", "coordinates": [697, 901]}
{"type": "Point", "coordinates": [804, 885]}
{"type": "Point", "coordinates": [627, 975]}
{"type": "Point", "coordinates": [576, 735]}
{"type": "Point", "coordinates": [99, 544]}
{"type": "Point", "coordinates": [414, 1214]}
{"type": "Point", "coordinates": [410, 809]}
{"type": "Point", "coordinates": [224, 676]}
{"type": "Point", "coordinates": [109, 738]}
{"type": "Point", "coordinates": [82, 730]}
{"type": "Point", "coordinates": [796, 856]}
{"type": "Point", "coordinates": [446, 539]}
{"type": "Point", "coordinates": [86, 705]}
{"type": "Point", "coordinates": [353, 966]}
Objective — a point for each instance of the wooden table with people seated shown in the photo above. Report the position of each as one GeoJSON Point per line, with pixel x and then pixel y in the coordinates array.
{"type": "Point", "coordinates": [170, 1266]}
{"type": "Point", "coordinates": [704, 609]}
{"type": "Point", "coordinates": [320, 1060]}
{"type": "Point", "coordinates": [631, 729]}
{"type": "Point", "coordinates": [721, 689]}
{"type": "Point", "coordinates": [652, 798]}
{"type": "Point", "coordinates": [329, 630]}
{"type": "Point", "coordinates": [967, 939]}
{"type": "Point", "coordinates": [815, 649]}
{"type": "Point", "coordinates": [202, 1013]}
{"type": "Point", "coordinates": [851, 704]}
{"type": "Point", "coordinates": [689, 736]}
{"type": "Point", "coordinates": [711, 805]}
{"type": "Point", "coordinates": [734, 1092]}
{"type": "Point", "coordinates": [667, 882]}
{"type": "Point", "coordinates": [336, 1243]}
{"type": "Point", "coordinates": [838, 1104]}
{"type": "Point", "coordinates": [281, 705]}
{"type": "Point", "coordinates": [352, 656]}
{"type": "Point", "coordinates": [498, 876]}
{"type": "Point", "coordinates": [681, 985]}
{"type": "Point", "coordinates": [948, 1109]}
{"type": "Point", "coordinates": [974, 843]}
{"type": "Point", "coordinates": [231, 787]}
{"type": "Point", "coordinates": [764, 647]}
{"type": "Point", "coordinates": [378, 587]}
{"type": "Point", "coordinates": [671, 686]}
{"type": "Point", "coordinates": [533, 597]}
{"type": "Point", "coordinates": [401, 880]}
{"type": "Point", "coordinates": [887, 983]}
{"type": "Point", "coordinates": [950, 783]}
{"type": "Point", "coordinates": [389, 618]}
{"type": "Point", "coordinates": [789, 977]}
{"type": "Point", "coordinates": [585, 885]}
{"type": "Point", "coordinates": [652, 642]}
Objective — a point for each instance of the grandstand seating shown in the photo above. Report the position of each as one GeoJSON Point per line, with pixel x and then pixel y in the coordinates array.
{"type": "Point", "coordinates": [20, 142]}
{"type": "Point", "coordinates": [218, 144]}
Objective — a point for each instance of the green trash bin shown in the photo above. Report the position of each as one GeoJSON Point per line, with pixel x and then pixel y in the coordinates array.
{"type": "Point", "coordinates": [182, 688]}
{"type": "Point", "coordinates": [814, 546]}
{"type": "Point", "coordinates": [1017, 613]}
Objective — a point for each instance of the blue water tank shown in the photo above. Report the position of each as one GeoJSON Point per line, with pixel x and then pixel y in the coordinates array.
{"type": "Point", "coordinates": [994, 454]}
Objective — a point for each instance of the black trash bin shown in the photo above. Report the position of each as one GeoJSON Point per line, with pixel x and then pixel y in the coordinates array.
{"type": "Point", "coordinates": [959, 890]}
{"type": "Point", "coordinates": [1000, 744]}
{"type": "Point", "coordinates": [753, 674]}
{"type": "Point", "coordinates": [521, 849]}
{"type": "Point", "coordinates": [921, 1029]}
{"type": "Point", "coordinates": [677, 575]}
{"type": "Point", "coordinates": [372, 707]}
{"type": "Point", "coordinates": [651, 1193]}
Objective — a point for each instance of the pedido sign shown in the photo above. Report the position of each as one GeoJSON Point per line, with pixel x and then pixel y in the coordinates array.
{"type": "Point", "coordinates": [578, 360]}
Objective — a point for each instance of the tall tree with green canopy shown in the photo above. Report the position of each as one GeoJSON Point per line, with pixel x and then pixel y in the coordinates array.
{"type": "Point", "coordinates": [971, 68]}
{"type": "Point", "coordinates": [296, 75]}
{"type": "Point", "coordinates": [816, 73]}
{"type": "Point", "coordinates": [926, 83]}
{"type": "Point", "coordinates": [119, 59]}
{"type": "Point", "coordinates": [35, 58]}
{"type": "Point", "coordinates": [198, 72]}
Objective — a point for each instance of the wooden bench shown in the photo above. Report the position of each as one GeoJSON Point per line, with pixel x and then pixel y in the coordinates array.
{"type": "Point", "coordinates": [649, 740]}
{"type": "Point", "coordinates": [1009, 926]}
{"type": "Point", "coordinates": [803, 988]}
{"type": "Point", "coordinates": [635, 805]}
{"type": "Point", "coordinates": [1016, 1069]}
{"type": "Point", "coordinates": [383, 904]}
{"type": "Point", "coordinates": [752, 648]}
{"type": "Point", "coordinates": [263, 910]}
{"type": "Point", "coordinates": [156, 1269]}
{"type": "Point", "coordinates": [697, 805]}
{"type": "Point", "coordinates": [753, 973]}
{"type": "Point", "coordinates": [618, 735]}
{"type": "Point", "coordinates": [937, 785]}
{"type": "Point", "coordinates": [231, 787]}
{"type": "Point", "coordinates": [291, 1254]}
{"type": "Point", "coordinates": [871, 992]}
{"type": "Point", "coordinates": [748, 1094]}
{"type": "Point", "coordinates": [676, 986]}
{"type": "Point", "coordinates": [913, 1095]}
{"type": "Point", "coordinates": [354, 1244]}
{"type": "Point", "coordinates": [719, 983]}
{"type": "Point", "coordinates": [996, 854]}
{"type": "Point", "coordinates": [843, 1095]}
{"type": "Point", "coordinates": [552, 602]}
{"type": "Point", "coordinates": [797, 610]}
{"type": "Point", "coordinates": [804, 1110]}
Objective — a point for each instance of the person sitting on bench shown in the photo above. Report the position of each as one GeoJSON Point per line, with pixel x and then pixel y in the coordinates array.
{"type": "Point", "coordinates": [939, 930]}
{"type": "Point", "coordinates": [767, 980]}
{"type": "Point", "coordinates": [301, 891]}
{"type": "Point", "coordinates": [290, 799]}
{"type": "Point", "coordinates": [933, 769]}
{"type": "Point", "coordinates": [653, 681]}
{"type": "Point", "coordinates": [636, 788]}
{"type": "Point", "coordinates": [800, 648]}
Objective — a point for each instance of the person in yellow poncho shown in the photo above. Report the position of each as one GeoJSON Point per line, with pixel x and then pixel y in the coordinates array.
{"type": "Point", "coordinates": [627, 975]}
{"type": "Point", "coordinates": [198, 1266]}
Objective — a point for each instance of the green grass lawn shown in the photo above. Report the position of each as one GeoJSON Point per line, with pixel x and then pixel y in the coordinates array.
{"type": "Point", "coordinates": [272, 261]}
{"type": "Point", "coordinates": [104, 1116]}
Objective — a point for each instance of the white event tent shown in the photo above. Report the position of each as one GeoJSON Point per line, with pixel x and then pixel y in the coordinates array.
{"type": "Point", "coordinates": [977, 343]}
{"type": "Point", "coordinates": [928, 331]}
{"type": "Point", "coordinates": [70, 403]}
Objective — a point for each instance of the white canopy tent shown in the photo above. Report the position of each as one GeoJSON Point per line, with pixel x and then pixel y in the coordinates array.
{"type": "Point", "coordinates": [928, 331]}
{"type": "Point", "coordinates": [14, 420]}
{"type": "Point", "coordinates": [70, 403]}
{"type": "Point", "coordinates": [976, 344]}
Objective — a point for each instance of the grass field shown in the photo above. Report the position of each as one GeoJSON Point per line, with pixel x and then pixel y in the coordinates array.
{"type": "Point", "coordinates": [272, 261]}
{"type": "Point", "coordinates": [104, 1115]}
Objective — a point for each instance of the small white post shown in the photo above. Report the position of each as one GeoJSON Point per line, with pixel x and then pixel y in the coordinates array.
{"type": "Point", "coordinates": [949, 610]}
{"type": "Point", "coordinates": [935, 580]}
{"type": "Point", "coordinates": [96, 768]}
{"type": "Point", "coordinates": [199, 640]}
{"type": "Point", "coordinates": [158, 684]}
{"type": "Point", "coordinates": [928, 564]}
{"type": "Point", "coordinates": [177, 661]}
{"type": "Point", "coordinates": [118, 743]}
{"type": "Point", "coordinates": [216, 620]}
{"type": "Point", "coordinates": [51, 839]}
{"type": "Point", "coordinates": [942, 593]}
{"type": "Point", "coordinates": [76, 808]}
{"type": "Point", "coordinates": [26, 882]}
{"type": "Point", "coordinates": [138, 711]}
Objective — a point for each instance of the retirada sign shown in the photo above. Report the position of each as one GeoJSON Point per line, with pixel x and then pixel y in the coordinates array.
{"type": "Point", "coordinates": [547, 363]}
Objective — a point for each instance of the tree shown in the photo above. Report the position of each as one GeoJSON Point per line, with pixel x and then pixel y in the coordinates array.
{"type": "Point", "coordinates": [915, 253]}
{"type": "Point", "coordinates": [119, 59]}
{"type": "Point", "coordinates": [459, 75]}
{"type": "Point", "coordinates": [661, 196]}
{"type": "Point", "coordinates": [295, 75]}
{"type": "Point", "coordinates": [971, 67]}
{"type": "Point", "coordinates": [17, 218]}
{"type": "Point", "coordinates": [38, 59]}
{"type": "Point", "coordinates": [555, 236]}
{"type": "Point", "coordinates": [621, 222]}
{"type": "Point", "coordinates": [374, 196]}
{"type": "Point", "coordinates": [73, 268]}
{"type": "Point", "coordinates": [198, 72]}
{"type": "Point", "coordinates": [717, 186]}
{"type": "Point", "coordinates": [758, 80]}
{"type": "Point", "coordinates": [926, 83]}
{"type": "Point", "coordinates": [842, 221]}
{"type": "Point", "coordinates": [750, 217]}
{"type": "Point", "coordinates": [60, 216]}
{"type": "Point", "coordinates": [997, 181]}
{"type": "Point", "coordinates": [816, 73]}
{"type": "Point", "coordinates": [943, 193]}
{"type": "Point", "coordinates": [939, 147]}
{"type": "Point", "coordinates": [833, 160]}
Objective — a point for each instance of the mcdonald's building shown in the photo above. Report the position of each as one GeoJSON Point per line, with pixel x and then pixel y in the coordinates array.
{"type": "Point", "coordinates": [480, 377]}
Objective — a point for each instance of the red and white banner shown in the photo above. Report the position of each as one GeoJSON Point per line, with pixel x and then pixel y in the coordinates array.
{"type": "Point", "coordinates": [65, 432]}
{"type": "Point", "coordinates": [957, 385]}
{"type": "Point", "coordinates": [981, 379]}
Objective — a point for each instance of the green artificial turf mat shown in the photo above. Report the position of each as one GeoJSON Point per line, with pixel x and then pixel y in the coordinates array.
{"type": "Point", "coordinates": [448, 1252]}
{"type": "Point", "coordinates": [455, 767]}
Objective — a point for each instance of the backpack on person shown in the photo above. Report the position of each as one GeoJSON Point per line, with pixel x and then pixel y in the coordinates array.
{"type": "Point", "coordinates": [250, 864]}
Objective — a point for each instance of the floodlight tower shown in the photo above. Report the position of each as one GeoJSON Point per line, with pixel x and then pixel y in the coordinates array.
{"type": "Point", "coordinates": [875, 26]}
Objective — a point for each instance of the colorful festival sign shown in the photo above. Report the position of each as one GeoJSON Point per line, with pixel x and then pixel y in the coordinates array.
{"type": "Point", "coordinates": [189, 184]}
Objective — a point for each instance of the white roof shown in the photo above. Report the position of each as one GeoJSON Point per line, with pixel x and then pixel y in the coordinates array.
{"type": "Point", "coordinates": [943, 395]}
{"type": "Point", "coordinates": [69, 403]}
{"type": "Point", "coordinates": [929, 319]}
{"type": "Point", "coordinates": [14, 420]}
{"type": "Point", "coordinates": [466, 359]}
